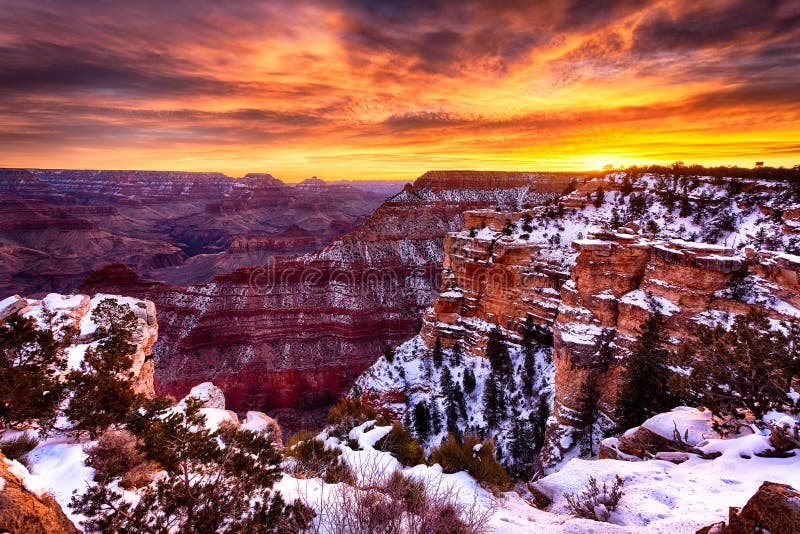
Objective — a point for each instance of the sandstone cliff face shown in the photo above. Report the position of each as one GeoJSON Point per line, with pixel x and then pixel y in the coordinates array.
{"type": "Point", "coordinates": [72, 313]}
{"type": "Point", "coordinates": [294, 334]}
{"type": "Point", "coordinates": [617, 280]}
{"type": "Point", "coordinates": [23, 510]}
{"type": "Point", "coordinates": [495, 278]}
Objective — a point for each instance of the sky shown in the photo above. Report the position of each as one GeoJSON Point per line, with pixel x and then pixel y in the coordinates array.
{"type": "Point", "coordinates": [350, 89]}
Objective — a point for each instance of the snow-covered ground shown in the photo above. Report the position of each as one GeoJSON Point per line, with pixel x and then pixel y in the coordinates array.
{"type": "Point", "coordinates": [659, 496]}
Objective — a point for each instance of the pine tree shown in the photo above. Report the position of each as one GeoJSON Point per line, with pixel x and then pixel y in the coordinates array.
{"type": "Point", "coordinates": [469, 381]}
{"type": "Point", "coordinates": [497, 351]}
{"type": "Point", "coordinates": [455, 355]}
{"type": "Point", "coordinates": [521, 449]}
{"type": "Point", "coordinates": [588, 411]}
{"type": "Point", "coordinates": [529, 352]}
{"type": "Point", "coordinates": [30, 363]}
{"type": "Point", "coordinates": [644, 391]}
{"type": "Point", "coordinates": [599, 197]}
{"type": "Point", "coordinates": [743, 367]}
{"type": "Point", "coordinates": [458, 398]}
{"type": "Point", "coordinates": [438, 353]}
{"type": "Point", "coordinates": [102, 389]}
{"type": "Point", "coordinates": [422, 420]}
{"type": "Point", "coordinates": [388, 353]}
{"type": "Point", "coordinates": [490, 408]}
{"type": "Point", "coordinates": [218, 481]}
{"type": "Point", "coordinates": [451, 417]}
{"type": "Point", "coordinates": [446, 382]}
{"type": "Point", "coordinates": [539, 423]}
{"type": "Point", "coordinates": [627, 186]}
{"type": "Point", "coordinates": [436, 417]}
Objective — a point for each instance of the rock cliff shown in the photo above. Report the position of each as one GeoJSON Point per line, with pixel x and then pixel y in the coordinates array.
{"type": "Point", "coordinates": [25, 508]}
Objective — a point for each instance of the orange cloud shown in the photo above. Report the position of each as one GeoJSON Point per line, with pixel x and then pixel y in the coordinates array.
{"type": "Point", "coordinates": [371, 89]}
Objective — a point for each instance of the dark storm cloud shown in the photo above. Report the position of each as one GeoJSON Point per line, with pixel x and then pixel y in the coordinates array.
{"type": "Point", "coordinates": [706, 24]}
{"type": "Point", "coordinates": [49, 67]}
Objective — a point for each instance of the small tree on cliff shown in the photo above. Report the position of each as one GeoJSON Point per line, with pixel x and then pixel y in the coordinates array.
{"type": "Point", "coordinates": [741, 368]}
{"type": "Point", "coordinates": [644, 390]}
{"type": "Point", "coordinates": [529, 352]}
{"type": "Point", "coordinates": [30, 363]}
{"type": "Point", "coordinates": [213, 482]}
{"type": "Point", "coordinates": [599, 197]}
{"type": "Point", "coordinates": [102, 389]}
{"type": "Point", "coordinates": [494, 400]}
{"type": "Point", "coordinates": [438, 353]}
{"type": "Point", "coordinates": [455, 355]}
{"type": "Point", "coordinates": [422, 420]}
{"type": "Point", "coordinates": [469, 381]}
{"type": "Point", "coordinates": [521, 451]}
{"type": "Point", "coordinates": [588, 414]}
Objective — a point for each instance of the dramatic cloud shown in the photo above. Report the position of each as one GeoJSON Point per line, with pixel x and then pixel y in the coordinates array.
{"type": "Point", "coordinates": [365, 88]}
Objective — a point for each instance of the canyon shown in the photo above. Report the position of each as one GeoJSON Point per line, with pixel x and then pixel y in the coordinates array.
{"type": "Point", "coordinates": [57, 226]}
{"type": "Point", "coordinates": [289, 337]}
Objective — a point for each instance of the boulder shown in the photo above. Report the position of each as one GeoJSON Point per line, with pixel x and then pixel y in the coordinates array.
{"type": "Point", "coordinates": [11, 305]}
{"type": "Point", "coordinates": [208, 394]}
{"type": "Point", "coordinates": [774, 508]}
{"type": "Point", "coordinates": [261, 422]}
{"type": "Point", "coordinates": [665, 436]}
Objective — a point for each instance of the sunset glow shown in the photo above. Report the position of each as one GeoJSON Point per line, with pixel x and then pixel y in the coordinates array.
{"type": "Point", "coordinates": [357, 89]}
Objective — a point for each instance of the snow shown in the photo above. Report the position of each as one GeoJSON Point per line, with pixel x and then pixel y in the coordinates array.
{"type": "Point", "coordinates": [742, 447]}
{"type": "Point", "coordinates": [663, 497]}
{"type": "Point", "coordinates": [205, 392]}
{"type": "Point", "coordinates": [32, 483]}
{"type": "Point", "coordinates": [87, 326]}
{"type": "Point", "coordinates": [699, 246]}
{"type": "Point", "coordinates": [56, 302]}
{"type": "Point", "coordinates": [8, 301]}
{"type": "Point", "coordinates": [57, 468]}
{"type": "Point", "coordinates": [643, 300]}
{"type": "Point", "coordinates": [579, 333]}
{"type": "Point", "coordinates": [591, 242]}
{"type": "Point", "coordinates": [693, 425]}
{"type": "Point", "coordinates": [216, 417]}
{"type": "Point", "coordinates": [75, 355]}
{"type": "Point", "coordinates": [256, 421]}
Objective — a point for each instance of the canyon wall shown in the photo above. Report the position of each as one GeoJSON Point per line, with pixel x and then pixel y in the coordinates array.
{"type": "Point", "coordinates": [290, 337]}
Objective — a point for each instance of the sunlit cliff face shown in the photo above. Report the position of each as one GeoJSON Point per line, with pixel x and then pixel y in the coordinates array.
{"type": "Point", "coordinates": [365, 89]}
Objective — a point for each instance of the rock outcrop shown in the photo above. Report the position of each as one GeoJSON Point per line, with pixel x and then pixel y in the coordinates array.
{"type": "Point", "coordinates": [774, 508]}
{"type": "Point", "coordinates": [72, 313]}
{"type": "Point", "coordinates": [24, 510]}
